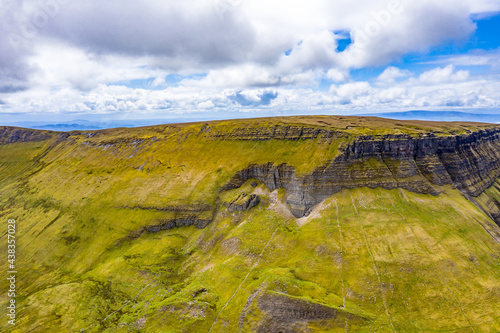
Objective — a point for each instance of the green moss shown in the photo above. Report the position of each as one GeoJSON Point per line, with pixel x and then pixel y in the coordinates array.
{"type": "Point", "coordinates": [427, 260]}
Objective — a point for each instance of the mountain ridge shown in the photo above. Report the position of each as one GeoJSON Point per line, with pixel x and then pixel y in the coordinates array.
{"type": "Point", "coordinates": [190, 227]}
{"type": "Point", "coordinates": [433, 158]}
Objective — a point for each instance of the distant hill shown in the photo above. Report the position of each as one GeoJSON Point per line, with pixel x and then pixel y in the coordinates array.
{"type": "Point", "coordinates": [83, 125]}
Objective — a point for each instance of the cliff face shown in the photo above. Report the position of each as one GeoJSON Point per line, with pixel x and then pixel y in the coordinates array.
{"type": "Point", "coordinates": [277, 132]}
{"type": "Point", "coordinates": [469, 162]}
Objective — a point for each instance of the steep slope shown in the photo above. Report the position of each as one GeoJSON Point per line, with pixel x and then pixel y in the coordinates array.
{"type": "Point", "coordinates": [283, 224]}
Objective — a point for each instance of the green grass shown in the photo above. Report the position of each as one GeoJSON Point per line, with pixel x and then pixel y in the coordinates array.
{"type": "Point", "coordinates": [418, 263]}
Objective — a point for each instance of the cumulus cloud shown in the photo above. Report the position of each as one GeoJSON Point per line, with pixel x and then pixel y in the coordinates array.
{"type": "Point", "coordinates": [70, 55]}
{"type": "Point", "coordinates": [391, 74]}
{"type": "Point", "coordinates": [14, 69]}
{"type": "Point", "coordinates": [337, 75]}
{"type": "Point", "coordinates": [206, 105]}
{"type": "Point", "coordinates": [443, 75]}
{"type": "Point", "coordinates": [190, 29]}
{"type": "Point", "coordinates": [351, 90]}
{"type": "Point", "coordinates": [184, 34]}
{"type": "Point", "coordinates": [394, 95]}
{"type": "Point", "coordinates": [349, 97]}
{"type": "Point", "coordinates": [60, 65]}
{"type": "Point", "coordinates": [407, 26]}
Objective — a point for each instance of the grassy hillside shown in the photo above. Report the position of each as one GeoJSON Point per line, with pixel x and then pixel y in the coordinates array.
{"type": "Point", "coordinates": [363, 260]}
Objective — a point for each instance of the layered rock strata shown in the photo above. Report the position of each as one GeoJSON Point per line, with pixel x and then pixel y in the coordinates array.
{"type": "Point", "coordinates": [243, 202]}
{"type": "Point", "coordinates": [13, 135]}
{"type": "Point", "coordinates": [277, 132]}
{"type": "Point", "coordinates": [167, 224]}
{"type": "Point", "coordinates": [469, 162]}
{"type": "Point", "coordinates": [286, 314]}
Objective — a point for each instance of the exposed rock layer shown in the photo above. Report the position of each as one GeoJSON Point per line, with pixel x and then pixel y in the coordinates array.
{"type": "Point", "coordinates": [284, 314]}
{"type": "Point", "coordinates": [469, 162]}
{"type": "Point", "coordinates": [167, 224]}
{"type": "Point", "coordinates": [277, 132]}
{"type": "Point", "coordinates": [243, 202]}
{"type": "Point", "coordinates": [13, 135]}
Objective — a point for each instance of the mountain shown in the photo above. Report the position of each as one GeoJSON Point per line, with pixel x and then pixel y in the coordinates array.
{"type": "Point", "coordinates": [85, 125]}
{"type": "Point", "coordinates": [291, 224]}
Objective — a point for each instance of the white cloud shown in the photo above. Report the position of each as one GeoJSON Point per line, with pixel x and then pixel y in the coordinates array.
{"type": "Point", "coordinates": [206, 105]}
{"type": "Point", "coordinates": [443, 75]}
{"type": "Point", "coordinates": [489, 58]}
{"type": "Point", "coordinates": [236, 76]}
{"type": "Point", "coordinates": [337, 75]}
{"type": "Point", "coordinates": [484, 6]}
{"type": "Point", "coordinates": [351, 90]}
{"type": "Point", "coordinates": [158, 81]}
{"type": "Point", "coordinates": [59, 65]}
{"type": "Point", "coordinates": [199, 34]}
{"type": "Point", "coordinates": [355, 93]}
{"type": "Point", "coordinates": [392, 95]}
{"type": "Point", "coordinates": [252, 54]}
{"type": "Point", "coordinates": [351, 97]}
{"type": "Point", "coordinates": [391, 74]}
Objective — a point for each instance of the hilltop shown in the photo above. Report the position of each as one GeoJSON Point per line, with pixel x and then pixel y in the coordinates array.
{"type": "Point", "coordinates": [292, 224]}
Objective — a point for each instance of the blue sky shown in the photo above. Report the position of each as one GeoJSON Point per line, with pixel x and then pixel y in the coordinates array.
{"type": "Point", "coordinates": [200, 59]}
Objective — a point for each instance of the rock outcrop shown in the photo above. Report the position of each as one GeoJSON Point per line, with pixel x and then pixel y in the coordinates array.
{"type": "Point", "coordinates": [13, 135]}
{"type": "Point", "coordinates": [243, 202]}
{"type": "Point", "coordinates": [197, 215]}
{"type": "Point", "coordinates": [469, 162]}
{"type": "Point", "coordinates": [286, 314]}
{"type": "Point", "coordinates": [278, 132]}
{"type": "Point", "coordinates": [167, 224]}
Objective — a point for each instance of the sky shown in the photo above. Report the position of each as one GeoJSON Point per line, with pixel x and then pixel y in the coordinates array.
{"type": "Point", "coordinates": [210, 59]}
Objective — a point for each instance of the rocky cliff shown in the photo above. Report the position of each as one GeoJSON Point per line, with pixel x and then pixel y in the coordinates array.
{"type": "Point", "coordinates": [276, 132]}
{"type": "Point", "coordinates": [469, 162]}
